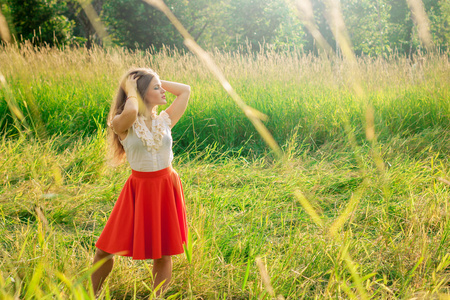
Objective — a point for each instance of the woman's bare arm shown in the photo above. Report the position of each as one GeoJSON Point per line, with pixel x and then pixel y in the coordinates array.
{"type": "Point", "coordinates": [177, 108]}
{"type": "Point", "coordinates": [122, 122]}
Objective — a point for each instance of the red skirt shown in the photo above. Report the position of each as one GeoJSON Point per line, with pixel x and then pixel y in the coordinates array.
{"type": "Point", "coordinates": [149, 217]}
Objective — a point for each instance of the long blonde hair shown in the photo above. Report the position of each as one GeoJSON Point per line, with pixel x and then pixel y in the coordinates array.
{"type": "Point", "coordinates": [144, 77]}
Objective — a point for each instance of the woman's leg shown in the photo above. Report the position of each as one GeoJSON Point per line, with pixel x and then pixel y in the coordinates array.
{"type": "Point", "coordinates": [99, 276]}
{"type": "Point", "coordinates": [162, 271]}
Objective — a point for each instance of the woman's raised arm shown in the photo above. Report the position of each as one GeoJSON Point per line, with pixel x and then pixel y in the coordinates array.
{"type": "Point", "coordinates": [122, 122]}
{"type": "Point", "coordinates": [177, 108]}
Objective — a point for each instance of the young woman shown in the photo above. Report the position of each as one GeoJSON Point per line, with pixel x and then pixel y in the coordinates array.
{"type": "Point", "coordinates": [148, 220]}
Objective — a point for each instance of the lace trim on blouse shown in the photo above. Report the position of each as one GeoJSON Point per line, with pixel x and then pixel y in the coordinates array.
{"type": "Point", "coordinates": [152, 139]}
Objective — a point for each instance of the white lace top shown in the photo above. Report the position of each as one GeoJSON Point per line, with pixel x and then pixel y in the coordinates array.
{"type": "Point", "coordinates": [149, 150]}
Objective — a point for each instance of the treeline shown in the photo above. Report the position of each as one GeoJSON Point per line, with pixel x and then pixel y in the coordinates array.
{"type": "Point", "coordinates": [376, 27]}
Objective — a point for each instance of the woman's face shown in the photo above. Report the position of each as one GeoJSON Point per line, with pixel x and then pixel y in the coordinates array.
{"type": "Point", "coordinates": [155, 93]}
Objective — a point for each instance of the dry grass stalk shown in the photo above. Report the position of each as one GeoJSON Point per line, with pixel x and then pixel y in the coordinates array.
{"type": "Point", "coordinates": [4, 30]}
{"type": "Point", "coordinates": [266, 279]}
{"type": "Point", "coordinates": [443, 180]}
{"type": "Point", "coordinates": [95, 21]}
{"type": "Point", "coordinates": [41, 216]}
{"type": "Point", "coordinates": [422, 22]}
{"type": "Point", "coordinates": [306, 14]}
{"type": "Point", "coordinates": [16, 113]}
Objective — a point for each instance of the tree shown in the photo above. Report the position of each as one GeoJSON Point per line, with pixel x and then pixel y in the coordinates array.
{"type": "Point", "coordinates": [83, 30]}
{"type": "Point", "coordinates": [204, 21]}
{"type": "Point", "coordinates": [290, 34]}
{"type": "Point", "coordinates": [439, 15]}
{"type": "Point", "coordinates": [253, 21]}
{"type": "Point", "coordinates": [368, 26]}
{"type": "Point", "coordinates": [39, 21]}
{"type": "Point", "coordinates": [376, 27]}
{"type": "Point", "coordinates": [135, 24]}
{"type": "Point", "coordinates": [226, 24]}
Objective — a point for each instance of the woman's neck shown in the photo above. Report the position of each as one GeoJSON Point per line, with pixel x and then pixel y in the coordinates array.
{"type": "Point", "coordinates": [150, 112]}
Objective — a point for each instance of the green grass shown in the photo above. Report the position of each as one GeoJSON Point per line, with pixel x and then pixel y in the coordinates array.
{"type": "Point", "coordinates": [238, 209]}
{"type": "Point", "coordinates": [69, 91]}
{"type": "Point", "coordinates": [240, 200]}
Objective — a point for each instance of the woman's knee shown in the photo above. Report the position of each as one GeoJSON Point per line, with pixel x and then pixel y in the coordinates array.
{"type": "Point", "coordinates": [164, 259]}
{"type": "Point", "coordinates": [99, 253]}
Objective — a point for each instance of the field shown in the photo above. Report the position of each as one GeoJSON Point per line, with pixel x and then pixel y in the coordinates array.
{"type": "Point", "coordinates": [341, 215]}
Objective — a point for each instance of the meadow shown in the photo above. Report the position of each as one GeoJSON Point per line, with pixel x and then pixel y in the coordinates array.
{"type": "Point", "coordinates": [382, 223]}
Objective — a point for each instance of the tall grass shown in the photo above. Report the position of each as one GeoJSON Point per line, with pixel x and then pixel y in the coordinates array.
{"type": "Point", "coordinates": [69, 91]}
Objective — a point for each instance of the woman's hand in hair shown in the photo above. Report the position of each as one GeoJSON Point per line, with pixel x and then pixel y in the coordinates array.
{"type": "Point", "coordinates": [126, 118]}
{"type": "Point", "coordinates": [130, 85]}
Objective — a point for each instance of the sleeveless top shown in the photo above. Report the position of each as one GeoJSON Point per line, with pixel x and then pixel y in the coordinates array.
{"type": "Point", "coordinates": [149, 150]}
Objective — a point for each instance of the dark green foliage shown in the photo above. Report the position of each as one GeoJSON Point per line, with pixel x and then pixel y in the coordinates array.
{"type": "Point", "coordinates": [375, 27]}
{"type": "Point", "coordinates": [253, 21]}
{"type": "Point", "coordinates": [83, 30]}
{"type": "Point", "coordinates": [38, 21]}
{"type": "Point", "coordinates": [135, 24]}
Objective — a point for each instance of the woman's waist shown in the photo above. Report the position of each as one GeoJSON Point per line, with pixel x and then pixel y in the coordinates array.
{"type": "Point", "coordinates": [148, 162]}
{"type": "Point", "coordinates": [152, 174]}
